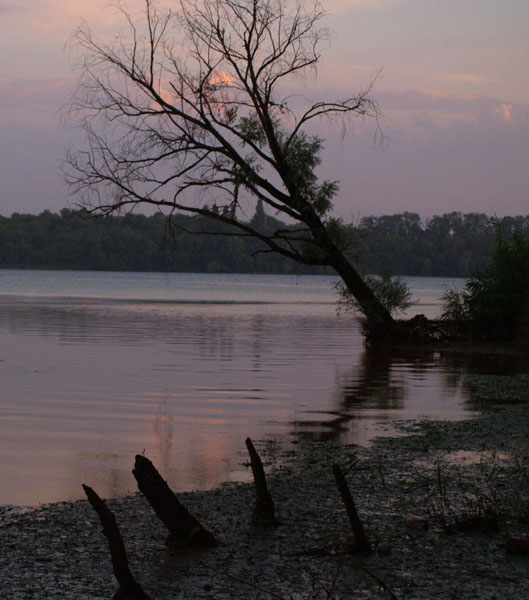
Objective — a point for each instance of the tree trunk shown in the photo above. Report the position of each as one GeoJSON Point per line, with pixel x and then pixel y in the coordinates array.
{"type": "Point", "coordinates": [129, 588]}
{"type": "Point", "coordinates": [379, 320]}
{"type": "Point", "coordinates": [184, 529]}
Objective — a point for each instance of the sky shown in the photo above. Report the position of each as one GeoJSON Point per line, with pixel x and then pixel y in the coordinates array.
{"type": "Point", "coordinates": [451, 78]}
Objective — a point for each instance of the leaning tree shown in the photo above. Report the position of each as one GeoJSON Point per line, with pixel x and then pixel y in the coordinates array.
{"type": "Point", "coordinates": [190, 111]}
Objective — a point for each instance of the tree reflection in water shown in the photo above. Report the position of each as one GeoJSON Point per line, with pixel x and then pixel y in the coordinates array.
{"type": "Point", "coordinates": [388, 382]}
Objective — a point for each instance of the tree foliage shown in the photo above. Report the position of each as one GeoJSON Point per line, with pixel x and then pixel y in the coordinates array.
{"type": "Point", "coordinates": [393, 292]}
{"type": "Point", "coordinates": [496, 299]}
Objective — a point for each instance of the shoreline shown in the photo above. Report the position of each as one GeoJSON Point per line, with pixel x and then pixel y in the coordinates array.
{"type": "Point", "coordinates": [419, 496]}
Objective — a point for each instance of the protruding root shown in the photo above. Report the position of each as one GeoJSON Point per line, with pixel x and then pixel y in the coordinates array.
{"type": "Point", "coordinates": [264, 510]}
{"type": "Point", "coordinates": [185, 530]}
{"type": "Point", "coordinates": [361, 544]}
{"type": "Point", "coordinates": [129, 588]}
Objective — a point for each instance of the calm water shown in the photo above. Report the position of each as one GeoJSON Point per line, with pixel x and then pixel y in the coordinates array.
{"type": "Point", "coordinates": [97, 367]}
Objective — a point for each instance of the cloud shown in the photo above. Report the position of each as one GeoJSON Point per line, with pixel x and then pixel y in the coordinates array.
{"type": "Point", "coordinates": [435, 100]}
{"type": "Point", "coordinates": [33, 101]}
{"type": "Point", "coordinates": [410, 108]}
{"type": "Point", "coordinates": [8, 7]}
{"type": "Point", "coordinates": [63, 16]}
{"type": "Point", "coordinates": [443, 108]}
{"type": "Point", "coordinates": [14, 90]}
{"type": "Point", "coordinates": [428, 165]}
{"type": "Point", "coordinates": [344, 6]}
{"type": "Point", "coordinates": [470, 78]}
{"type": "Point", "coordinates": [470, 166]}
{"type": "Point", "coordinates": [443, 152]}
{"type": "Point", "coordinates": [50, 16]}
{"type": "Point", "coordinates": [506, 111]}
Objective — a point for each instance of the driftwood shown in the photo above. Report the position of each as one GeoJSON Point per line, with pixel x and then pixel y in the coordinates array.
{"type": "Point", "coordinates": [264, 510]}
{"type": "Point", "coordinates": [185, 530]}
{"type": "Point", "coordinates": [361, 543]}
{"type": "Point", "coordinates": [129, 588]}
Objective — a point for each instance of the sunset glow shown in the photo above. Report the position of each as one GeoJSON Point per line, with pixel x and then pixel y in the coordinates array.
{"type": "Point", "coordinates": [439, 72]}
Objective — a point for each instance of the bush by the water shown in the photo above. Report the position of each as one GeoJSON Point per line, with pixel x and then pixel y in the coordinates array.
{"type": "Point", "coordinates": [495, 301]}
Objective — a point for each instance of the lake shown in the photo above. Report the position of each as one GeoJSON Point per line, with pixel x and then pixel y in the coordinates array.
{"type": "Point", "coordinates": [98, 367]}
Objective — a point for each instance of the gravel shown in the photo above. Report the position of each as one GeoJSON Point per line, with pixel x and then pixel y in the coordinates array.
{"type": "Point", "coordinates": [438, 504]}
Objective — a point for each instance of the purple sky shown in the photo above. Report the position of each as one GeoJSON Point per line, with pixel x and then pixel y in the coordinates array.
{"type": "Point", "coordinates": [453, 90]}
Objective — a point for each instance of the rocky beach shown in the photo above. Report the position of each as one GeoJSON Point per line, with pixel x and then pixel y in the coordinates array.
{"type": "Point", "coordinates": [444, 505]}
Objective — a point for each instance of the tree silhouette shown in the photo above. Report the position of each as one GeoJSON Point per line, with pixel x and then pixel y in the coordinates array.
{"type": "Point", "coordinates": [188, 113]}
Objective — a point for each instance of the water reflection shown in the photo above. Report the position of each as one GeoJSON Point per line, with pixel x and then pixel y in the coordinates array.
{"type": "Point", "coordinates": [403, 383]}
{"type": "Point", "coordinates": [376, 382]}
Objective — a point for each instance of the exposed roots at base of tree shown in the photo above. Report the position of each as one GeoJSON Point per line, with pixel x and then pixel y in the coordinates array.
{"type": "Point", "coordinates": [417, 330]}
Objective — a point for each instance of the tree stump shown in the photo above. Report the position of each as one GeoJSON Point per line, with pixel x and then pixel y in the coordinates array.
{"type": "Point", "coordinates": [361, 543]}
{"type": "Point", "coordinates": [185, 530]}
{"type": "Point", "coordinates": [264, 510]}
{"type": "Point", "coordinates": [129, 588]}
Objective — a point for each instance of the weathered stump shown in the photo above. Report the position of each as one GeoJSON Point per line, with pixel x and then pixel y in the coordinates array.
{"type": "Point", "coordinates": [185, 530]}
{"type": "Point", "coordinates": [361, 543]}
{"type": "Point", "coordinates": [129, 588]}
{"type": "Point", "coordinates": [264, 510]}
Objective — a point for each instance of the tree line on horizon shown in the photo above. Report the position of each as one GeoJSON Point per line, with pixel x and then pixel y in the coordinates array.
{"type": "Point", "coordinates": [450, 245]}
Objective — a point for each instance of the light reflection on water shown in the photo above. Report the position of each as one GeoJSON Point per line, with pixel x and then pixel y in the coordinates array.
{"type": "Point", "coordinates": [97, 367]}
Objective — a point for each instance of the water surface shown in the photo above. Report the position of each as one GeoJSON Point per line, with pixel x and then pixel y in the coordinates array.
{"type": "Point", "coordinates": [97, 367]}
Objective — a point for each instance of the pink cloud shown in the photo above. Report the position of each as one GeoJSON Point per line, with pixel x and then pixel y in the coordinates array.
{"type": "Point", "coordinates": [434, 99]}
{"type": "Point", "coordinates": [8, 7]}
{"type": "Point", "coordinates": [470, 78]}
{"type": "Point", "coordinates": [63, 16]}
{"type": "Point", "coordinates": [408, 107]}
{"type": "Point", "coordinates": [506, 111]}
{"type": "Point", "coordinates": [37, 102]}
{"type": "Point", "coordinates": [458, 105]}
{"type": "Point", "coordinates": [343, 6]}
{"type": "Point", "coordinates": [16, 89]}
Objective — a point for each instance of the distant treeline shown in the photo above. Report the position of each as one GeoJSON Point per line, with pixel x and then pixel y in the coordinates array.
{"type": "Point", "coordinates": [134, 242]}
{"type": "Point", "coordinates": [452, 244]}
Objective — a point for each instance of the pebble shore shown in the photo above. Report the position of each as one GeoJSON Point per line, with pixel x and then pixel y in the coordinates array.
{"type": "Point", "coordinates": [438, 504]}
